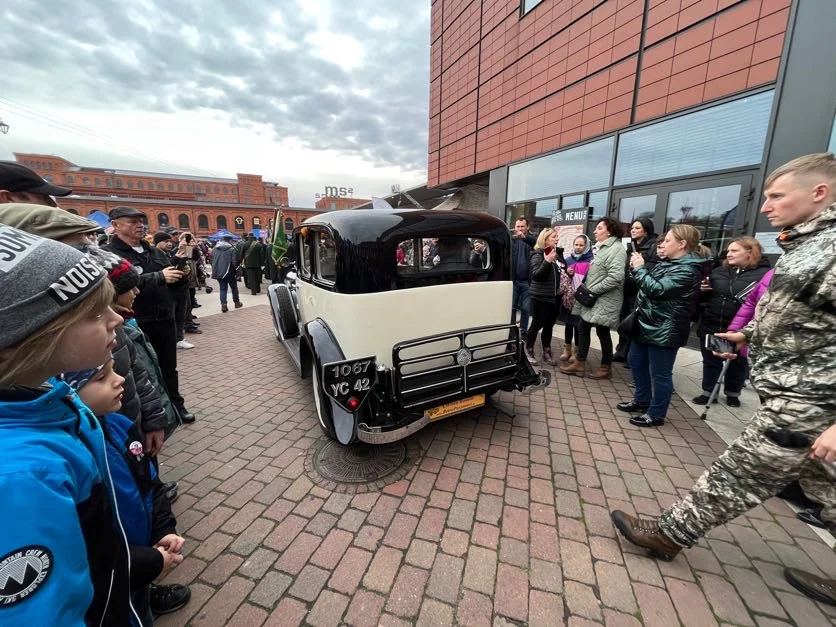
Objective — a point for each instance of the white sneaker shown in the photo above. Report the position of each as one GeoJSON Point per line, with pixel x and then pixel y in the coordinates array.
{"type": "Point", "coordinates": [184, 344]}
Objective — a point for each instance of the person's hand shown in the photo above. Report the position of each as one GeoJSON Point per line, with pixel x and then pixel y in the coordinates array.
{"type": "Point", "coordinates": [570, 271]}
{"type": "Point", "coordinates": [551, 256]}
{"type": "Point", "coordinates": [824, 448]}
{"type": "Point", "coordinates": [172, 274]}
{"type": "Point", "coordinates": [154, 441]}
{"type": "Point", "coordinates": [737, 338]}
{"type": "Point", "coordinates": [171, 543]}
{"type": "Point", "coordinates": [705, 286]}
{"type": "Point", "coordinates": [170, 560]}
{"type": "Point", "coordinates": [636, 260]}
{"type": "Point", "coordinates": [436, 260]}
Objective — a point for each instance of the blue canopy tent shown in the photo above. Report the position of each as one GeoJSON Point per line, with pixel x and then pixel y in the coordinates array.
{"type": "Point", "coordinates": [99, 218]}
{"type": "Point", "coordinates": [221, 234]}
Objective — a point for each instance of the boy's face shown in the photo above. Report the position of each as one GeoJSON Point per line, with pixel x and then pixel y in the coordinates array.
{"type": "Point", "coordinates": [103, 393]}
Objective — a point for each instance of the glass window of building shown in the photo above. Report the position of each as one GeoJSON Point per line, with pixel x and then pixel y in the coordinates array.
{"type": "Point", "coordinates": [69, 179]}
{"type": "Point", "coordinates": [527, 5]}
{"type": "Point", "coordinates": [221, 222]}
{"type": "Point", "coordinates": [575, 170]}
{"type": "Point", "coordinates": [179, 187]}
{"type": "Point", "coordinates": [183, 221]}
{"type": "Point", "coordinates": [119, 184]}
{"type": "Point", "coordinates": [97, 182]}
{"type": "Point", "coordinates": [217, 189]}
{"type": "Point", "coordinates": [130, 184]}
{"type": "Point", "coordinates": [203, 222]}
{"type": "Point", "coordinates": [598, 204]}
{"type": "Point", "coordinates": [85, 181]}
{"type": "Point", "coordinates": [712, 210]}
{"type": "Point", "coordinates": [831, 147]}
{"type": "Point", "coordinates": [162, 220]}
{"type": "Point", "coordinates": [728, 135]}
{"type": "Point", "coordinates": [140, 185]}
{"type": "Point", "coordinates": [572, 202]}
{"type": "Point", "coordinates": [288, 225]}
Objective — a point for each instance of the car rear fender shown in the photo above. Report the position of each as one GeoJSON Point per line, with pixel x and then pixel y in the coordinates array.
{"type": "Point", "coordinates": [324, 350]}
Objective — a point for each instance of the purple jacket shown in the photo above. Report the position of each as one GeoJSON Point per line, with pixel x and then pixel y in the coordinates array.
{"type": "Point", "coordinates": [747, 310]}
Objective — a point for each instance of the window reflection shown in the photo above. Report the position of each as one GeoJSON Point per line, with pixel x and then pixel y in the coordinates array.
{"type": "Point", "coordinates": [712, 210]}
{"type": "Point", "coordinates": [726, 136]}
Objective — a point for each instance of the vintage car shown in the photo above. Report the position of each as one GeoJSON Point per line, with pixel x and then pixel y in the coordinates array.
{"type": "Point", "coordinates": [400, 318]}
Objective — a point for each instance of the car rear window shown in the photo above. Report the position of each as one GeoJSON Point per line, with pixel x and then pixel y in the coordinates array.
{"type": "Point", "coordinates": [443, 254]}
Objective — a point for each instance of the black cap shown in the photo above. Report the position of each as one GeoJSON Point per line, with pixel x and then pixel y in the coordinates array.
{"type": "Point", "coordinates": [124, 212]}
{"type": "Point", "coordinates": [161, 237]}
{"type": "Point", "coordinates": [18, 178]}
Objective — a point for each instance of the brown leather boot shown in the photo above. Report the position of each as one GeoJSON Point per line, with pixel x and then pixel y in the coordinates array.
{"type": "Point", "coordinates": [645, 533]}
{"type": "Point", "coordinates": [576, 368]}
{"type": "Point", "coordinates": [574, 355]}
{"type": "Point", "coordinates": [603, 372]}
{"type": "Point", "coordinates": [566, 355]}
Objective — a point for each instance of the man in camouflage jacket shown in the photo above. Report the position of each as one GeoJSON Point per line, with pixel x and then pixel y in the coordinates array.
{"type": "Point", "coordinates": [793, 342]}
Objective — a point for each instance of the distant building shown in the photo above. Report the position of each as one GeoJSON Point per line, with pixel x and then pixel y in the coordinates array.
{"type": "Point", "coordinates": [328, 203]}
{"type": "Point", "coordinates": [198, 204]}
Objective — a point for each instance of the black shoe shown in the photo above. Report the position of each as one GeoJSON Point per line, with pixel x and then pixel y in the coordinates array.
{"type": "Point", "coordinates": [702, 399]}
{"type": "Point", "coordinates": [733, 401]}
{"type": "Point", "coordinates": [813, 517]}
{"type": "Point", "coordinates": [193, 330]}
{"type": "Point", "coordinates": [186, 416]}
{"type": "Point", "coordinates": [632, 406]}
{"type": "Point", "coordinates": [793, 493]}
{"type": "Point", "coordinates": [822, 590]}
{"type": "Point", "coordinates": [196, 304]}
{"type": "Point", "coordinates": [168, 599]}
{"type": "Point", "coordinates": [172, 491]}
{"type": "Point", "coordinates": [238, 305]}
{"type": "Point", "coordinates": [646, 420]}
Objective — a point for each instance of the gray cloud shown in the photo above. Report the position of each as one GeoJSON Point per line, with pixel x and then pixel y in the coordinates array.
{"type": "Point", "coordinates": [178, 55]}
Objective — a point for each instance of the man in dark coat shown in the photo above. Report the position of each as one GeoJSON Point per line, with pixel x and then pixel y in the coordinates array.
{"type": "Point", "coordinates": [253, 259]}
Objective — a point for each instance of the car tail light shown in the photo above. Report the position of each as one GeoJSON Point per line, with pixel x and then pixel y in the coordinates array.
{"type": "Point", "coordinates": [353, 403]}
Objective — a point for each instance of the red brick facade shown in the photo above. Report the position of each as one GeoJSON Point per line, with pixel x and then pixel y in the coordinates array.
{"type": "Point", "coordinates": [339, 202]}
{"type": "Point", "coordinates": [201, 205]}
{"type": "Point", "coordinates": [504, 87]}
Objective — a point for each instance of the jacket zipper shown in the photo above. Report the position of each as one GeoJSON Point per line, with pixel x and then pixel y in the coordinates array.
{"type": "Point", "coordinates": [107, 601]}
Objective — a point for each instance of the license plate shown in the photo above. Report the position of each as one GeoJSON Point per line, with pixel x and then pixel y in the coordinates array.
{"type": "Point", "coordinates": [456, 407]}
{"type": "Point", "coordinates": [351, 378]}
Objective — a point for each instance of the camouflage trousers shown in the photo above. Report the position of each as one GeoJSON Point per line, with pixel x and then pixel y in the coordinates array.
{"type": "Point", "coordinates": [751, 470]}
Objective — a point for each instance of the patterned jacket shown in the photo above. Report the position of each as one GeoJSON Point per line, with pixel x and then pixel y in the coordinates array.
{"type": "Point", "coordinates": [793, 334]}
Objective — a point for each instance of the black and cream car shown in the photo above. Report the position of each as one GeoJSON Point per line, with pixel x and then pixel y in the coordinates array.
{"type": "Point", "coordinates": [400, 318]}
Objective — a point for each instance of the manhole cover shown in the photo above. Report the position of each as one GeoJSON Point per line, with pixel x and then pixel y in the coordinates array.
{"type": "Point", "coordinates": [359, 467]}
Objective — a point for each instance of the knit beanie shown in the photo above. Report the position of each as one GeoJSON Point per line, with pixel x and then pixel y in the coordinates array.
{"type": "Point", "coordinates": [161, 237]}
{"type": "Point", "coordinates": [40, 279]}
{"type": "Point", "coordinates": [123, 275]}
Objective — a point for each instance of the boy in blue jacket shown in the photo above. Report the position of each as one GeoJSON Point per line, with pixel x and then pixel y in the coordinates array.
{"type": "Point", "coordinates": [145, 510]}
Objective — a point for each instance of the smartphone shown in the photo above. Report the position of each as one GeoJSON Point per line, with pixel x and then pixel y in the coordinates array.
{"type": "Point", "coordinates": [548, 250]}
{"type": "Point", "coordinates": [719, 345]}
{"type": "Point", "coordinates": [633, 247]}
{"type": "Point", "coordinates": [181, 263]}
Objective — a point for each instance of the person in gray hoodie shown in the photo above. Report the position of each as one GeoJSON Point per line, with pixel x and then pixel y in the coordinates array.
{"type": "Point", "coordinates": [224, 263]}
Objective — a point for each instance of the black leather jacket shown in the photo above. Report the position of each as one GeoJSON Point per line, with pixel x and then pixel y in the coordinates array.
{"type": "Point", "coordinates": [155, 302]}
{"type": "Point", "coordinates": [728, 293]}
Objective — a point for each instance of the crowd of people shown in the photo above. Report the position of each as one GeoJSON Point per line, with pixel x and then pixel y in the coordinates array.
{"type": "Point", "coordinates": [89, 386]}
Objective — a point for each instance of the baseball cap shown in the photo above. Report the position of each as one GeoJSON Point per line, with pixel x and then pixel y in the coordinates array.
{"type": "Point", "coordinates": [15, 177]}
{"type": "Point", "coordinates": [48, 222]}
{"type": "Point", "coordinates": [124, 212]}
{"type": "Point", "coordinates": [40, 279]}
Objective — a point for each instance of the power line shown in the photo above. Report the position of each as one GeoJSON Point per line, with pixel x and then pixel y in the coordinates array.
{"type": "Point", "coordinates": [58, 123]}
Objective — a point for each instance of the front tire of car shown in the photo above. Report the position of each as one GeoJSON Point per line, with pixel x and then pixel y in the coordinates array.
{"type": "Point", "coordinates": [322, 404]}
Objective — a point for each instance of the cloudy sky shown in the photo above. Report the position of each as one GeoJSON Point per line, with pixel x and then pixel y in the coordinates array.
{"type": "Point", "coordinates": [308, 93]}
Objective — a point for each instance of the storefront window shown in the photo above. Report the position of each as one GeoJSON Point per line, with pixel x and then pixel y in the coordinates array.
{"type": "Point", "coordinates": [527, 5]}
{"type": "Point", "coordinates": [580, 168]}
{"type": "Point", "coordinates": [729, 135]}
{"type": "Point", "coordinates": [831, 147]}
{"type": "Point", "coordinates": [598, 204]}
{"type": "Point", "coordinates": [572, 202]}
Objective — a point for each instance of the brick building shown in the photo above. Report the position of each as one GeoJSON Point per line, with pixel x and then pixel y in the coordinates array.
{"type": "Point", "coordinates": [201, 205]}
{"type": "Point", "coordinates": [670, 109]}
{"type": "Point", "coordinates": [329, 203]}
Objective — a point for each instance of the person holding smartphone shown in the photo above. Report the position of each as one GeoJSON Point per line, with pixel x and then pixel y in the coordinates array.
{"type": "Point", "coordinates": [545, 300]}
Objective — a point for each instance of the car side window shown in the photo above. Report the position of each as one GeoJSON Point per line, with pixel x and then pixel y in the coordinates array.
{"type": "Point", "coordinates": [326, 256]}
{"type": "Point", "coordinates": [457, 253]}
{"type": "Point", "coordinates": [304, 256]}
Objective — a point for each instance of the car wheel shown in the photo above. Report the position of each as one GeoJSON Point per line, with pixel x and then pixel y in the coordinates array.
{"type": "Point", "coordinates": [287, 312]}
{"type": "Point", "coordinates": [323, 406]}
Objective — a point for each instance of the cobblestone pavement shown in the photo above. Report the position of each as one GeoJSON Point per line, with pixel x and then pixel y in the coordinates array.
{"type": "Point", "coordinates": [499, 521]}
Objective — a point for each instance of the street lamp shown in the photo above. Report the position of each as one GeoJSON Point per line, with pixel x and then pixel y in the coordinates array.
{"type": "Point", "coordinates": [4, 128]}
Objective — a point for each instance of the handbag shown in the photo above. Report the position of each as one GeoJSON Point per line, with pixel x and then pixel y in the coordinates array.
{"type": "Point", "coordinates": [567, 294]}
{"type": "Point", "coordinates": [630, 325]}
{"type": "Point", "coordinates": [584, 296]}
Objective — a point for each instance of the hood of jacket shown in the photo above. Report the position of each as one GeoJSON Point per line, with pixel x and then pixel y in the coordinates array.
{"type": "Point", "coordinates": [222, 244]}
{"type": "Point", "coordinates": [43, 408]}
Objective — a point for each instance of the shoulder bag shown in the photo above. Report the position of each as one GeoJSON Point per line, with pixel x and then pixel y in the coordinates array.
{"type": "Point", "coordinates": [584, 296]}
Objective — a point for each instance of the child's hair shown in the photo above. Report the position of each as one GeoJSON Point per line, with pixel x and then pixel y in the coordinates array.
{"type": "Point", "coordinates": [39, 347]}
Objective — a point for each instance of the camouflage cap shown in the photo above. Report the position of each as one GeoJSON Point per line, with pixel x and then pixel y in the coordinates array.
{"type": "Point", "coordinates": [46, 222]}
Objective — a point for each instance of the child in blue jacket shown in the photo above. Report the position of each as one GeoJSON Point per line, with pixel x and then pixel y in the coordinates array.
{"type": "Point", "coordinates": [145, 510]}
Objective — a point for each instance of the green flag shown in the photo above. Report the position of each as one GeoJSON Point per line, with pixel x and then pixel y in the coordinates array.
{"type": "Point", "coordinates": [279, 239]}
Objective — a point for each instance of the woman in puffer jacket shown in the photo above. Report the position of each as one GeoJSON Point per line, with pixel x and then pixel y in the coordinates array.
{"type": "Point", "coordinates": [544, 275]}
{"type": "Point", "coordinates": [730, 284]}
{"type": "Point", "coordinates": [605, 280]}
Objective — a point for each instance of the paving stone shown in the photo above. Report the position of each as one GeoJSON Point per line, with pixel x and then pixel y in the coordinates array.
{"type": "Point", "coordinates": [614, 587]}
{"type": "Point", "coordinates": [544, 608]}
{"type": "Point", "coordinates": [258, 563]}
{"type": "Point", "coordinates": [328, 609]}
{"type": "Point", "coordinates": [365, 609]}
{"type": "Point", "coordinates": [690, 603]}
{"type": "Point", "coordinates": [655, 606]}
{"type": "Point", "coordinates": [474, 609]}
{"type": "Point", "coordinates": [421, 554]}
{"type": "Point", "coordinates": [480, 570]}
{"type": "Point", "coordinates": [408, 592]}
{"type": "Point", "coordinates": [350, 570]}
{"type": "Point", "coordinates": [221, 607]}
{"type": "Point", "coordinates": [581, 600]}
{"type": "Point", "coordinates": [445, 578]}
{"type": "Point", "coordinates": [803, 611]}
{"type": "Point", "coordinates": [511, 593]}
{"type": "Point", "coordinates": [754, 591]}
{"type": "Point", "coordinates": [724, 599]}
{"type": "Point", "coordinates": [270, 589]}
{"type": "Point", "coordinates": [435, 614]}
{"type": "Point", "coordinates": [577, 561]}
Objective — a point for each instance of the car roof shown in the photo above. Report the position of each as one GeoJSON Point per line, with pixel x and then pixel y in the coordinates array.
{"type": "Point", "coordinates": [359, 225]}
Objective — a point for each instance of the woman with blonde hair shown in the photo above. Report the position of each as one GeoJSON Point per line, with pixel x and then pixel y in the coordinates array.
{"type": "Point", "coordinates": [728, 287]}
{"type": "Point", "coordinates": [666, 301]}
{"type": "Point", "coordinates": [544, 275]}
{"type": "Point", "coordinates": [55, 316]}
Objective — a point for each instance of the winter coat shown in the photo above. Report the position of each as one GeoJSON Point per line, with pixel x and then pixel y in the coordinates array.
{"type": "Point", "coordinates": [253, 254]}
{"type": "Point", "coordinates": [605, 279]}
{"type": "Point", "coordinates": [544, 277]}
{"type": "Point", "coordinates": [667, 300]}
{"type": "Point", "coordinates": [144, 508]}
{"type": "Point", "coordinates": [140, 400]}
{"type": "Point", "coordinates": [647, 248]}
{"type": "Point", "coordinates": [723, 300]}
{"type": "Point", "coordinates": [224, 261]}
{"type": "Point", "coordinates": [155, 301]}
{"type": "Point", "coordinates": [521, 249]}
{"type": "Point", "coordinates": [793, 334]}
{"type": "Point", "coordinates": [146, 359]}
{"type": "Point", "coordinates": [746, 313]}
{"type": "Point", "coordinates": [60, 531]}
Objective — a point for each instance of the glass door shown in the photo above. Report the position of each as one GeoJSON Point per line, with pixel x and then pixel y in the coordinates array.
{"type": "Point", "coordinates": [631, 207]}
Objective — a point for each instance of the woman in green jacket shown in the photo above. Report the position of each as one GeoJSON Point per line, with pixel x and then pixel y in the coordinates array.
{"type": "Point", "coordinates": [605, 279]}
{"type": "Point", "coordinates": [667, 299]}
